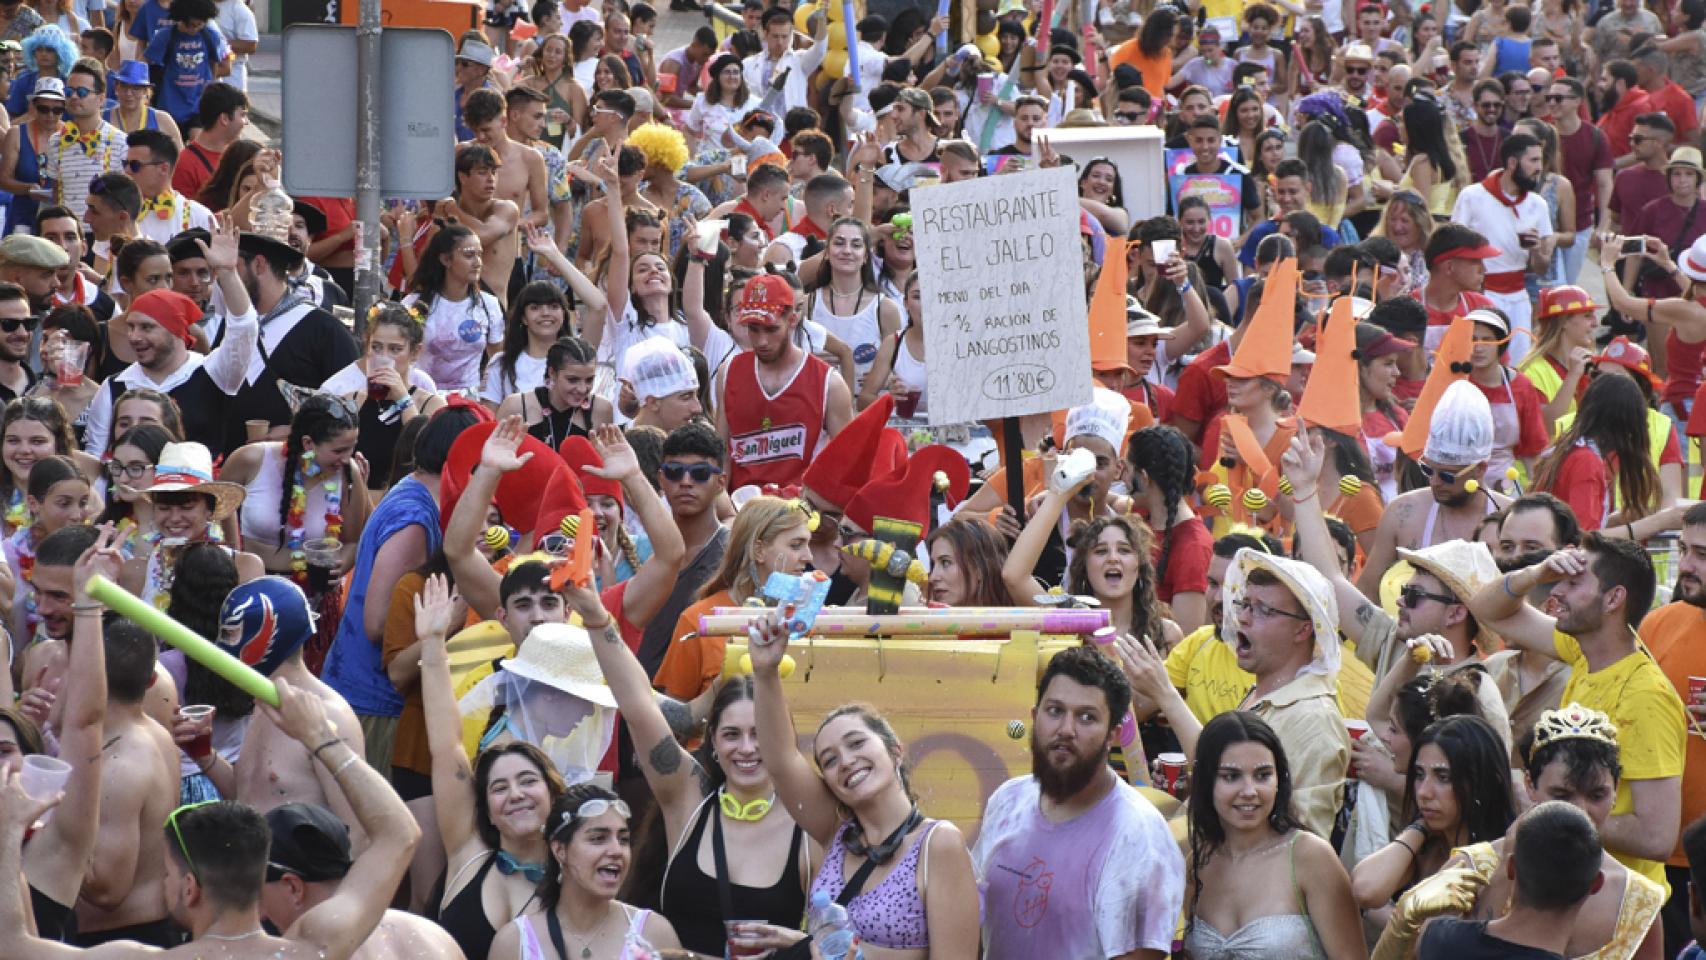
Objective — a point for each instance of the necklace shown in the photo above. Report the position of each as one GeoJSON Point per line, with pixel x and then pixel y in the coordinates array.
{"type": "Point", "coordinates": [554, 926]}
{"type": "Point", "coordinates": [746, 812]}
{"type": "Point", "coordinates": [296, 522]}
{"type": "Point", "coordinates": [233, 936]}
{"type": "Point", "coordinates": [1236, 857]}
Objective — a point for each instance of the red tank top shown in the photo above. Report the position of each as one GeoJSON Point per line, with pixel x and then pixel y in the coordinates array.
{"type": "Point", "coordinates": [771, 439]}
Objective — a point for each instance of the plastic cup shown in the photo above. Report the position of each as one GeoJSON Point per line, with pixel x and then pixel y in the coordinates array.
{"type": "Point", "coordinates": [375, 389]}
{"type": "Point", "coordinates": [1172, 768]}
{"type": "Point", "coordinates": [1163, 250]}
{"type": "Point", "coordinates": [256, 430]}
{"type": "Point", "coordinates": [322, 556]}
{"type": "Point", "coordinates": [43, 777]}
{"type": "Point", "coordinates": [1696, 688]}
{"type": "Point", "coordinates": [202, 743]}
{"type": "Point", "coordinates": [68, 362]}
{"type": "Point", "coordinates": [738, 947]}
{"type": "Point", "coordinates": [906, 404]}
{"type": "Point", "coordinates": [1357, 729]}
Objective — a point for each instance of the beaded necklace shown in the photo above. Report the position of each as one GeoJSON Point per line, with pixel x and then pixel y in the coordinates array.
{"type": "Point", "coordinates": [296, 522]}
{"type": "Point", "coordinates": [24, 543]}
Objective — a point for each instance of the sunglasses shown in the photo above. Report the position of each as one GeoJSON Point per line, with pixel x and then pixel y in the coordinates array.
{"type": "Point", "coordinates": [48, 107]}
{"type": "Point", "coordinates": [1496, 105]}
{"type": "Point", "coordinates": [172, 823]}
{"type": "Point", "coordinates": [14, 324]}
{"type": "Point", "coordinates": [1559, 98]}
{"type": "Point", "coordinates": [1412, 596]}
{"type": "Point", "coordinates": [556, 544]}
{"type": "Point", "coordinates": [1124, 117]}
{"type": "Point", "coordinates": [1356, 71]}
{"type": "Point", "coordinates": [700, 472]}
{"type": "Point", "coordinates": [137, 166]}
{"type": "Point", "coordinates": [79, 91]}
{"type": "Point", "coordinates": [1447, 477]}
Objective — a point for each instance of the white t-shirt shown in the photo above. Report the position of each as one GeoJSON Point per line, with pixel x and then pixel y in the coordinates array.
{"type": "Point", "coordinates": [1102, 884]}
{"type": "Point", "coordinates": [237, 22]}
{"type": "Point", "coordinates": [457, 333]}
{"type": "Point", "coordinates": [352, 379]}
{"type": "Point", "coordinates": [1500, 224]}
{"type": "Point", "coordinates": [529, 373]}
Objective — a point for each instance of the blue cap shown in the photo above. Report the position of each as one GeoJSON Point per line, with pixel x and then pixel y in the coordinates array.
{"type": "Point", "coordinates": [133, 72]}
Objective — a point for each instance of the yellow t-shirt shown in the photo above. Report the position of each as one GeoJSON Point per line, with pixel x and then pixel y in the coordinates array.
{"type": "Point", "coordinates": [1651, 727]}
{"type": "Point", "coordinates": [1207, 670]}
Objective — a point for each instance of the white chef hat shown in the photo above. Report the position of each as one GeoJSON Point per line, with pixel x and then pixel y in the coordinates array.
{"type": "Point", "coordinates": [1105, 416]}
{"type": "Point", "coordinates": [1461, 429]}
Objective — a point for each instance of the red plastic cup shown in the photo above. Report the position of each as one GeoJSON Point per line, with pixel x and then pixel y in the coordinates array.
{"type": "Point", "coordinates": [739, 946]}
{"type": "Point", "coordinates": [202, 743]}
{"type": "Point", "coordinates": [906, 404]}
{"type": "Point", "coordinates": [1357, 729]}
{"type": "Point", "coordinates": [1172, 767]}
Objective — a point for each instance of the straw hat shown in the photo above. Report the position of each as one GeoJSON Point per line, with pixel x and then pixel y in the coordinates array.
{"type": "Point", "coordinates": [560, 656]}
{"type": "Point", "coordinates": [188, 468]}
{"type": "Point", "coordinates": [1265, 350]}
{"type": "Point", "coordinates": [1108, 311]}
{"type": "Point", "coordinates": [1688, 158]}
{"type": "Point", "coordinates": [1464, 567]}
{"type": "Point", "coordinates": [1141, 323]}
{"type": "Point", "coordinates": [1310, 588]}
{"type": "Point", "coordinates": [1330, 396]}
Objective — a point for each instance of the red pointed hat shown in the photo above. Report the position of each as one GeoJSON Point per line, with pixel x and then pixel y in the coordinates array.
{"type": "Point", "coordinates": [522, 494]}
{"type": "Point", "coordinates": [561, 497]}
{"type": "Point", "coordinates": [579, 454]}
{"type": "Point", "coordinates": [848, 461]}
{"type": "Point", "coordinates": [905, 495]}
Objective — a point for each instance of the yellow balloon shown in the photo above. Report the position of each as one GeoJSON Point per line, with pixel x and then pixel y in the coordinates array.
{"type": "Point", "coordinates": [785, 669]}
{"type": "Point", "coordinates": [803, 15]}
{"type": "Point", "coordinates": [837, 39]}
{"type": "Point", "coordinates": [834, 63]}
{"type": "Point", "coordinates": [834, 10]}
{"type": "Point", "coordinates": [990, 45]}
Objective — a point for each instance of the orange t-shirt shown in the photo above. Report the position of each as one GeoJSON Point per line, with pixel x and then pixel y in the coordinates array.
{"type": "Point", "coordinates": [693, 662]}
{"type": "Point", "coordinates": [1668, 633]}
{"type": "Point", "coordinates": [1362, 512]}
{"type": "Point", "coordinates": [1156, 70]}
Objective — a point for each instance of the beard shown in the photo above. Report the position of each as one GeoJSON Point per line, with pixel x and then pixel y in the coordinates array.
{"type": "Point", "coordinates": [1524, 182]}
{"type": "Point", "coordinates": [1451, 496]}
{"type": "Point", "coordinates": [1608, 101]}
{"type": "Point", "coordinates": [1690, 591]}
{"type": "Point", "coordinates": [1522, 560]}
{"type": "Point", "coordinates": [1060, 783]}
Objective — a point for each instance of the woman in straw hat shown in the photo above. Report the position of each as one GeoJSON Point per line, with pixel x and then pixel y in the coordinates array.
{"type": "Point", "coordinates": [188, 507]}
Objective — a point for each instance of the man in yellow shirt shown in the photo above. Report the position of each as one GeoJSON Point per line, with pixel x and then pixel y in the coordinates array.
{"type": "Point", "coordinates": [1600, 592]}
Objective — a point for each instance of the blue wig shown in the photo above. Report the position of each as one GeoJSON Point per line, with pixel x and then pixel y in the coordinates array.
{"type": "Point", "coordinates": [49, 36]}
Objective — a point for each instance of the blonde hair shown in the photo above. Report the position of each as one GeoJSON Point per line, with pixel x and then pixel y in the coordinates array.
{"type": "Point", "coordinates": [663, 146]}
{"type": "Point", "coordinates": [762, 520]}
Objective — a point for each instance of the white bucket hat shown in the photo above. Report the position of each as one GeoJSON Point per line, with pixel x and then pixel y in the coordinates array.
{"type": "Point", "coordinates": [1461, 429]}
{"type": "Point", "coordinates": [1464, 567]}
{"type": "Point", "coordinates": [1311, 590]}
{"type": "Point", "coordinates": [560, 656]}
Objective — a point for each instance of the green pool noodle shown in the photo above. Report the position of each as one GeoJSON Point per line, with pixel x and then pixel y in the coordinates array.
{"type": "Point", "coordinates": [194, 646]}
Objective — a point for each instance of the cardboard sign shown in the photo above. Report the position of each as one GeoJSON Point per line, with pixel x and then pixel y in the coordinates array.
{"type": "Point", "coordinates": [1001, 271]}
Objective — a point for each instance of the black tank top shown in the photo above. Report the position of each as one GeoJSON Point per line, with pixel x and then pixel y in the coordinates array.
{"type": "Point", "coordinates": [555, 426]}
{"type": "Point", "coordinates": [464, 918]}
{"type": "Point", "coordinates": [54, 920]}
{"type": "Point", "coordinates": [377, 441]}
{"type": "Point", "coordinates": [691, 904]}
{"type": "Point", "coordinates": [1212, 274]}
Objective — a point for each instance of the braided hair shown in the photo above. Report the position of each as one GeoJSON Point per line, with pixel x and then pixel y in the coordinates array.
{"type": "Point", "coordinates": [1164, 455]}
{"type": "Point", "coordinates": [320, 418]}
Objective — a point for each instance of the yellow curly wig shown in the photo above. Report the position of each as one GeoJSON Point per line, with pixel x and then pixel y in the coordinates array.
{"type": "Point", "coordinates": [664, 146]}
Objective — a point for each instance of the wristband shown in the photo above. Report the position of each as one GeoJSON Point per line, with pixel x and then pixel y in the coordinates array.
{"type": "Point", "coordinates": [1186, 286]}
{"type": "Point", "coordinates": [351, 761]}
{"type": "Point", "coordinates": [1505, 582]}
{"type": "Point", "coordinates": [328, 743]}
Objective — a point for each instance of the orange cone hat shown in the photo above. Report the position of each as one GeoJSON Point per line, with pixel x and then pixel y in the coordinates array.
{"type": "Point", "coordinates": [1265, 350]}
{"type": "Point", "coordinates": [1250, 451]}
{"type": "Point", "coordinates": [1107, 311]}
{"type": "Point", "coordinates": [1330, 397]}
{"type": "Point", "coordinates": [1450, 364]}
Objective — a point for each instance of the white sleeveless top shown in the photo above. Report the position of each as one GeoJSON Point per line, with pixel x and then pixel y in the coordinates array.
{"type": "Point", "coordinates": [259, 517]}
{"type": "Point", "coordinates": [861, 331]}
{"type": "Point", "coordinates": [911, 371]}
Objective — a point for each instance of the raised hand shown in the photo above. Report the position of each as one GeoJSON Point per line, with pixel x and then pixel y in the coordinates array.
{"type": "Point", "coordinates": [767, 642]}
{"type": "Point", "coordinates": [102, 557]}
{"type": "Point", "coordinates": [435, 610]}
{"type": "Point", "coordinates": [1302, 461]}
{"type": "Point", "coordinates": [221, 255]}
{"type": "Point", "coordinates": [499, 452]}
{"type": "Point", "coordinates": [620, 461]}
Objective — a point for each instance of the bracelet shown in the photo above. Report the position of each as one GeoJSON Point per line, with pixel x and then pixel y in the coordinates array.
{"type": "Point", "coordinates": [1186, 286]}
{"type": "Point", "coordinates": [88, 607]}
{"type": "Point", "coordinates": [316, 751]}
{"type": "Point", "coordinates": [1301, 497]}
{"type": "Point", "coordinates": [1629, 528]}
{"type": "Point", "coordinates": [1505, 582]}
{"type": "Point", "coordinates": [590, 627]}
{"type": "Point", "coordinates": [349, 762]}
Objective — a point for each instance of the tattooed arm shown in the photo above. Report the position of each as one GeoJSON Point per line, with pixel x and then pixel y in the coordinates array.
{"type": "Point", "coordinates": [670, 771]}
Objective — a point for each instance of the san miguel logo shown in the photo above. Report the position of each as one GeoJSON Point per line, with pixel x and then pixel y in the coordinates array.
{"type": "Point", "coordinates": [764, 446]}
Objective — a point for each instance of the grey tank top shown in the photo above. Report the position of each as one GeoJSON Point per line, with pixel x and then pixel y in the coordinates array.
{"type": "Point", "coordinates": [1289, 935]}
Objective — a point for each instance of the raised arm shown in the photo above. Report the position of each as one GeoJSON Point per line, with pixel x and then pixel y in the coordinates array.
{"type": "Point", "coordinates": [1501, 605]}
{"type": "Point", "coordinates": [800, 788]}
{"type": "Point", "coordinates": [1028, 549]}
{"type": "Point", "coordinates": [338, 926]}
{"type": "Point", "coordinates": [475, 578]}
{"type": "Point", "coordinates": [17, 812]}
{"type": "Point", "coordinates": [547, 250]}
{"type": "Point", "coordinates": [616, 272]}
{"type": "Point", "coordinates": [1302, 465]}
{"type": "Point", "coordinates": [228, 364]}
{"type": "Point", "coordinates": [452, 774]}
{"type": "Point", "coordinates": [649, 588]}
{"type": "Point", "coordinates": [699, 322]}
{"type": "Point", "coordinates": [57, 863]}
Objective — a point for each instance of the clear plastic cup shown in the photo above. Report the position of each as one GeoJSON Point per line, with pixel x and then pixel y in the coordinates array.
{"type": "Point", "coordinates": [203, 741]}
{"type": "Point", "coordinates": [738, 945]}
{"type": "Point", "coordinates": [68, 362]}
{"type": "Point", "coordinates": [43, 777]}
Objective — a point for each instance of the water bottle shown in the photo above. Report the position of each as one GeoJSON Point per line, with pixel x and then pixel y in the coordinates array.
{"type": "Point", "coordinates": [831, 929]}
{"type": "Point", "coordinates": [272, 211]}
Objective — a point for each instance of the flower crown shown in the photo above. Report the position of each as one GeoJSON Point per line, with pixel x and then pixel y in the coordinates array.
{"type": "Point", "coordinates": [412, 309]}
{"type": "Point", "coordinates": [1572, 722]}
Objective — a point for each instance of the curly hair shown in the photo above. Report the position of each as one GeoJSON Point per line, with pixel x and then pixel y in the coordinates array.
{"type": "Point", "coordinates": [1145, 607]}
{"type": "Point", "coordinates": [663, 146]}
{"type": "Point", "coordinates": [48, 36]}
{"type": "Point", "coordinates": [1164, 455]}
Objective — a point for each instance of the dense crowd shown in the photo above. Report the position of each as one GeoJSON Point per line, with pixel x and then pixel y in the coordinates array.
{"type": "Point", "coordinates": [1389, 515]}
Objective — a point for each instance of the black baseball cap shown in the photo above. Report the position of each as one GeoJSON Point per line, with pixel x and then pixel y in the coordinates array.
{"type": "Point", "coordinates": [309, 841]}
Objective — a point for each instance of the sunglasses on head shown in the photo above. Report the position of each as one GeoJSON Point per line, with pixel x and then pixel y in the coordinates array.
{"type": "Point", "coordinates": [1412, 596]}
{"type": "Point", "coordinates": [172, 822]}
{"type": "Point", "coordinates": [596, 807]}
{"type": "Point", "coordinates": [700, 472]}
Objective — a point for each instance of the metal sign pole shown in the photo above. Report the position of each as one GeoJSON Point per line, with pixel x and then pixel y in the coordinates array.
{"type": "Point", "coordinates": [367, 163]}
